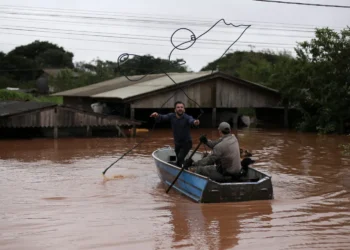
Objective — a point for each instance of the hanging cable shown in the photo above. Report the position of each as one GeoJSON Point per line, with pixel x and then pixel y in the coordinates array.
{"type": "Point", "coordinates": [123, 58]}
{"type": "Point", "coordinates": [307, 4]}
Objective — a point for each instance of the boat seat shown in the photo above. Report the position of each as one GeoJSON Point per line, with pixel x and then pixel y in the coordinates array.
{"type": "Point", "coordinates": [241, 177]}
{"type": "Point", "coordinates": [233, 178]}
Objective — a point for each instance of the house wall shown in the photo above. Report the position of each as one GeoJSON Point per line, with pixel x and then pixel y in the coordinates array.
{"type": "Point", "coordinates": [83, 103]}
{"type": "Point", "coordinates": [213, 93]}
{"type": "Point", "coordinates": [231, 95]}
{"type": "Point", "coordinates": [61, 117]}
{"type": "Point", "coordinates": [219, 96]}
{"type": "Point", "coordinates": [201, 93]}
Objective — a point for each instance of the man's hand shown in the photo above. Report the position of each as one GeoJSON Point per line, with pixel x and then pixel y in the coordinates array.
{"type": "Point", "coordinates": [188, 163]}
{"type": "Point", "coordinates": [203, 139]}
{"type": "Point", "coordinates": [155, 114]}
{"type": "Point", "coordinates": [196, 122]}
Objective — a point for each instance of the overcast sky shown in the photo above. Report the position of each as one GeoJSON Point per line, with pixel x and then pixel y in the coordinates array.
{"type": "Point", "coordinates": [107, 28]}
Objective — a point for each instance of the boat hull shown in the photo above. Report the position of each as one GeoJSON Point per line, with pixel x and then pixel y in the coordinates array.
{"type": "Point", "coordinates": [204, 190]}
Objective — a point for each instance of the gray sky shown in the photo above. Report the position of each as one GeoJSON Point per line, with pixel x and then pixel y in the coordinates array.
{"type": "Point", "coordinates": [107, 28]}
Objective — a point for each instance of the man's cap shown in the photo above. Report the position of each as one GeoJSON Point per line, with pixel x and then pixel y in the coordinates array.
{"type": "Point", "coordinates": [225, 127]}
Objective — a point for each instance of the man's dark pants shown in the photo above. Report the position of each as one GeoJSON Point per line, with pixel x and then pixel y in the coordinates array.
{"type": "Point", "coordinates": [181, 150]}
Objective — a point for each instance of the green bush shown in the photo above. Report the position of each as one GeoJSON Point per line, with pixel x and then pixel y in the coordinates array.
{"type": "Point", "coordinates": [10, 95]}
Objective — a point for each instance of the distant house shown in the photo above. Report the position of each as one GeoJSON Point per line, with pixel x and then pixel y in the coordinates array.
{"type": "Point", "coordinates": [42, 82]}
{"type": "Point", "coordinates": [218, 94]}
{"type": "Point", "coordinates": [36, 119]}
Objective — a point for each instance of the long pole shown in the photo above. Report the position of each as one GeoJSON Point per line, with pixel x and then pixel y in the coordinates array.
{"type": "Point", "coordinates": [183, 167]}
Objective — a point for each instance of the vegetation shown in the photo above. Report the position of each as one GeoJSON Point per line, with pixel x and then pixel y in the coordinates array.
{"type": "Point", "coordinates": [256, 67]}
{"type": "Point", "coordinates": [6, 95]}
{"type": "Point", "coordinates": [316, 82]}
{"type": "Point", "coordinates": [22, 66]}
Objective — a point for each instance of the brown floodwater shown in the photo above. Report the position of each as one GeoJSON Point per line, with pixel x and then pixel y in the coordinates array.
{"type": "Point", "coordinates": [53, 196]}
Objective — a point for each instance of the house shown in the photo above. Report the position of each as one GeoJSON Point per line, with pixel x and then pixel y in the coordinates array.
{"type": "Point", "coordinates": [37, 119]}
{"type": "Point", "coordinates": [215, 93]}
{"type": "Point", "coordinates": [43, 81]}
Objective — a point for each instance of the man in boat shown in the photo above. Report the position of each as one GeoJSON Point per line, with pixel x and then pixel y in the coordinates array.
{"type": "Point", "coordinates": [225, 157]}
{"type": "Point", "coordinates": [180, 123]}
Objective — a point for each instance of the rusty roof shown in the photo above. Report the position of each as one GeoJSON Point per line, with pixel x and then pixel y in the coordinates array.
{"type": "Point", "coordinates": [122, 88]}
{"type": "Point", "coordinates": [105, 86]}
{"type": "Point", "coordinates": [151, 85]}
{"type": "Point", "coordinates": [8, 108]}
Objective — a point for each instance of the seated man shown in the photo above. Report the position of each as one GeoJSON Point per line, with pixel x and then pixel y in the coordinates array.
{"type": "Point", "coordinates": [225, 155]}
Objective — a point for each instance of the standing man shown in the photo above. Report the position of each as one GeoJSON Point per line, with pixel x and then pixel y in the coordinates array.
{"type": "Point", "coordinates": [180, 123]}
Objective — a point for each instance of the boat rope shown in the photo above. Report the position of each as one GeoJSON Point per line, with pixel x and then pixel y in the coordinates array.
{"type": "Point", "coordinates": [123, 58]}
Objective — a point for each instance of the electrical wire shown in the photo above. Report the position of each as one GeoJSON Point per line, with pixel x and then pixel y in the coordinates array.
{"type": "Point", "coordinates": [123, 58]}
{"type": "Point", "coordinates": [126, 36]}
{"type": "Point", "coordinates": [308, 4]}
{"type": "Point", "coordinates": [125, 14]}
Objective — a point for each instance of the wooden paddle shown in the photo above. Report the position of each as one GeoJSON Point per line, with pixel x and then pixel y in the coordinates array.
{"type": "Point", "coordinates": [183, 167]}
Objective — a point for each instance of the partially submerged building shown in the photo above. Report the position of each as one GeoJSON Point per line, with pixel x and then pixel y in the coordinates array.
{"type": "Point", "coordinates": [35, 119]}
{"type": "Point", "coordinates": [219, 95]}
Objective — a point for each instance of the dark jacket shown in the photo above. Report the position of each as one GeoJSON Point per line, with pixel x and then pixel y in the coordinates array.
{"type": "Point", "coordinates": [181, 126]}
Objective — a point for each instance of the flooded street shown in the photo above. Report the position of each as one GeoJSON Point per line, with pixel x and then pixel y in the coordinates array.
{"type": "Point", "coordinates": [53, 196]}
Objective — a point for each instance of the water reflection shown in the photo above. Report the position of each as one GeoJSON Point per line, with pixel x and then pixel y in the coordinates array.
{"type": "Point", "coordinates": [215, 226]}
{"type": "Point", "coordinates": [68, 150]}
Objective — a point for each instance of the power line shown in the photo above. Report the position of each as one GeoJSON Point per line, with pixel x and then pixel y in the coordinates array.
{"type": "Point", "coordinates": [117, 51]}
{"type": "Point", "coordinates": [31, 20]}
{"type": "Point", "coordinates": [146, 44]}
{"type": "Point", "coordinates": [123, 35]}
{"type": "Point", "coordinates": [304, 30]}
{"type": "Point", "coordinates": [106, 18]}
{"type": "Point", "coordinates": [153, 27]}
{"type": "Point", "coordinates": [309, 4]}
{"type": "Point", "coordinates": [307, 30]}
{"type": "Point", "coordinates": [126, 14]}
{"type": "Point", "coordinates": [136, 37]}
{"type": "Point", "coordinates": [143, 26]}
{"type": "Point", "coordinates": [152, 21]}
{"type": "Point", "coordinates": [70, 32]}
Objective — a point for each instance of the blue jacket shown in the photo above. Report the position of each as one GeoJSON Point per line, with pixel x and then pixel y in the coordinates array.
{"type": "Point", "coordinates": [181, 126]}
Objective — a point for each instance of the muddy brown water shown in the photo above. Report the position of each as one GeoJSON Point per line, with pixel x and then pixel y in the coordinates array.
{"type": "Point", "coordinates": [53, 196]}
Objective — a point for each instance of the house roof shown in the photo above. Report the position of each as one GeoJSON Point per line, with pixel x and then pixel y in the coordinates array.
{"type": "Point", "coordinates": [104, 86]}
{"type": "Point", "coordinates": [8, 108]}
{"type": "Point", "coordinates": [122, 88]}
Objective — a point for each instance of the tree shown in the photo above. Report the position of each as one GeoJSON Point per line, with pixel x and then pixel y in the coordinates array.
{"type": "Point", "coordinates": [24, 63]}
{"type": "Point", "coordinates": [316, 82]}
{"type": "Point", "coordinates": [319, 83]}
{"type": "Point", "coordinates": [251, 66]}
{"type": "Point", "coordinates": [55, 58]}
{"type": "Point", "coordinates": [147, 64]}
{"type": "Point", "coordinates": [46, 54]}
